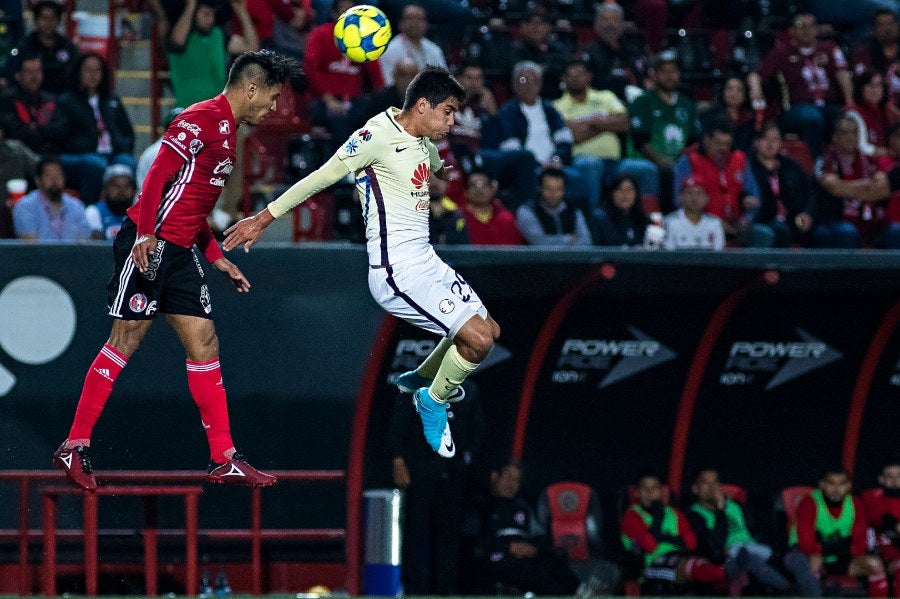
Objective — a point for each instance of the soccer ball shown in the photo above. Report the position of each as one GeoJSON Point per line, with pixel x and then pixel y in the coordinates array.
{"type": "Point", "coordinates": [362, 33]}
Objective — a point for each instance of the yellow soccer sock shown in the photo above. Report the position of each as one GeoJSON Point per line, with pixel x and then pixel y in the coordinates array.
{"type": "Point", "coordinates": [430, 366]}
{"type": "Point", "coordinates": [452, 372]}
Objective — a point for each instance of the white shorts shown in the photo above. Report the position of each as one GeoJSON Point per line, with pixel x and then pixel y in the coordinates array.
{"type": "Point", "coordinates": [428, 294]}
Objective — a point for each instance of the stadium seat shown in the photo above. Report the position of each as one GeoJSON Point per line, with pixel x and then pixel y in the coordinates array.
{"type": "Point", "coordinates": [790, 497]}
{"type": "Point", "coordinates": [571, 512]}
{"type": "Point", "coordinates": [736, 493]}
{"type": "Point", "coordinates": [313, 219]}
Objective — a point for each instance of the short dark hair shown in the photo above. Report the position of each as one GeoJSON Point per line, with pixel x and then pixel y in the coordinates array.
{"type": "Point", "coordinates": [436, 85]}
{"type": "Point", "coordinates": [40, 7]}
{"type": "Point", "coordinates": [884, 11]}
{"type": "Point", "coordinates": [46, 160]}
{"type": "Point", "coordinates": [480, 170]}
{"type": "Point", "coordinates": [552, 171]}
{"type": "Point", "coordinates": [263, 67]}
{"type": "Point", "coordinates": [765, 128]}
{"type": "Point", "coordinates": [577, 62]}
{"type": "Point", "coordinates": [19, 57]}
{"type": "Point", "coordinates": [718, 124]}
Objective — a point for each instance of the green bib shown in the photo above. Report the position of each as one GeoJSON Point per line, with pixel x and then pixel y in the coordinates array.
{"type": "Point", "coordinates": [669, 527]}
{"type": "Point", "coordinates": [737, 526]}
{"type": "Point", "coordinates": [830, 530]}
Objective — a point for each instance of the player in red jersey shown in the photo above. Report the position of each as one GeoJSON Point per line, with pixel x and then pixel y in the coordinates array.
{"type": "Point", "coordinates": [157, 270]}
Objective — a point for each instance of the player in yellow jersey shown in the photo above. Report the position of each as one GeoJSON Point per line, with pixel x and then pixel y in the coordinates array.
{"type": "Point", "coordinates": [392, 158]}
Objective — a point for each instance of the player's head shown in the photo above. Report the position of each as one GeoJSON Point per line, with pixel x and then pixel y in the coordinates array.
{"type": "Point", "coordinates": [255, 82]}
{"type": "Point", "coordinates": [649, 490]}
{"type": "Point", "coordinates": [889, 479]}
{"type": "Point", "coordinates": [835, 484]}
{"type": "Point", "coordinates": [706, 485]}
{"type": "Point", "coordinates": [432, 98]}
{"type": "Point", "coordinates": [506, 480]}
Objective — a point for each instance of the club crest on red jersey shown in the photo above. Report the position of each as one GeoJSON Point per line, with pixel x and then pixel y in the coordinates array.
{"type": "Point", "coordinates": [224, 127]}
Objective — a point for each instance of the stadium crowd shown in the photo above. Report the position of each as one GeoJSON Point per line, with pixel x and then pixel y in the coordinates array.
{"type": "Point", "coordinates": [647, 123]}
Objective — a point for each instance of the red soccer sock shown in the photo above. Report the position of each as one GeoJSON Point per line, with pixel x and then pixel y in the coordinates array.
{"type": "Point", "coordinates": [98, 384]}
{"type": "Point", "coordinates": [878, 585]}
{"type": "Point", "coordinates": [205, 383]}
{"type": "Point", "coordinates": [699, 570]}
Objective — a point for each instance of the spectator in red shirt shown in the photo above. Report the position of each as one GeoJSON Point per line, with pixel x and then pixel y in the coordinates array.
{"type": "Point", "coordinates": [268, 16]}
{"type": "Point", "coordinates": [881, 53]}
{"type": "Point", "coordinates": [665, 541]}
{"type": "Point", "coordinates": [726, 176]}
{"type": "Point", "coordinates": [883, 511]}
{"type": "Point", "coordinates": [810, 77]}
{"type": "Point", "coordinates": [870, 112]}
{"type": "Point", "coordinates": [886, 163]}
{"type": "Point", "coordinates": [335, 83]}
{"type": "Point", "coordinates": [842, 165]}
{"type": "Point", "coordinates": [829, 538]}
{"type": "Point", "coordinates": [487, 219]}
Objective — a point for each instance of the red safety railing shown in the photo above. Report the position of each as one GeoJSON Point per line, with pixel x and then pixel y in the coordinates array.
{"type": "Point", "coordinates": [137, 482]}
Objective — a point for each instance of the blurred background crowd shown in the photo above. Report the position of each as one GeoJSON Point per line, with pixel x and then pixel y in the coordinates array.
{"type": "Point", "coordinates": [648, 123]}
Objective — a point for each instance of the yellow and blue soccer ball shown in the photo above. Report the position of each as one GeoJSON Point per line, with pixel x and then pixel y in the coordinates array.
{"type": "Point", "coordinates": [362, 33]}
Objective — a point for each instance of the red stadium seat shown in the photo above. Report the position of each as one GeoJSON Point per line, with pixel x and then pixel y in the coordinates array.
{"type": "Point", "coordinates": [736, 493]}
{"type": "Point", "coordinates": [790, 497]}
{"type": "Point", "coordinates": [571, 511]}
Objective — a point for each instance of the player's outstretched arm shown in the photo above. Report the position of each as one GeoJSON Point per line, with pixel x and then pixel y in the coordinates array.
{"type": "Point", "coordinates": [247, 231]}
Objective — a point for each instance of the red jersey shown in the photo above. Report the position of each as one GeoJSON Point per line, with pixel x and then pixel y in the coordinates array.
{"type": "Point", "coordinates": [499, 229]}
{"type": "Point", "coordinates": [808, 72]}
{"type": "Point", "coordinates": [330, 72]}
{"type": "Point", "coordinates": [883, 513]}
{"type": "Point", "coordinates": [868, 217]}
{"type": "Point", "coordinates": [892, 212]}
{"type": "Point", "coordinates": [187, 177]}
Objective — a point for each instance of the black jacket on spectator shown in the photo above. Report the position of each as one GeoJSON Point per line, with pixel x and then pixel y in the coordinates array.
{"type": "Point", "coordinates": [612, 69]}
{"type": "Point", "coordinates": [57, 60]}
{"type": "Point", "coordinates": [611, 227]}
{"type": "Point", "coordinates": [553, 56]}
{"type": "Point", "coordinates": [548, 223]}
{"type": "Point", "coordinates": [796, 190]}
{"type": "Point", "coordinates": [74, 128]}
{"type": "Point", "coordinates": [26, 118]}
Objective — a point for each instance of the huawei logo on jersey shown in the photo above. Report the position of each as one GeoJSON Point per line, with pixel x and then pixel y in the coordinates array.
{"type": "Point", "coordinates": [420, 175]}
